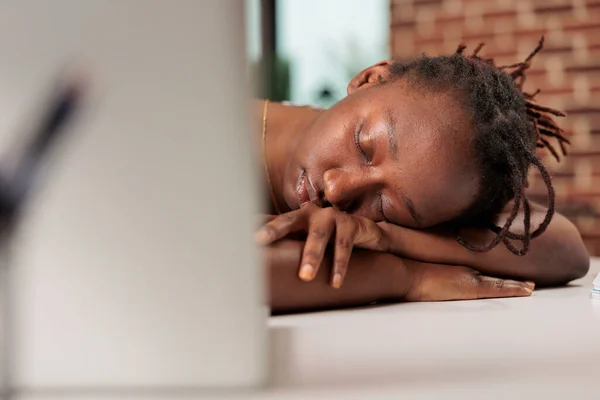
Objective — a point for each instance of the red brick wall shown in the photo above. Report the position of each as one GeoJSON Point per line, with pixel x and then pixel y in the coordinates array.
{"type": "Point", "coordinates": [567, 72]}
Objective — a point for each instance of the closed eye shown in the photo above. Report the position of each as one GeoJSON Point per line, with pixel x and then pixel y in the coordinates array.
{"type": "Point", "coordinates": [361, 151]}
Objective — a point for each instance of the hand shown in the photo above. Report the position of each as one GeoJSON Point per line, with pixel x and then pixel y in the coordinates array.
{"type": "Point", "coordinates": [264, 218]}
{"type": "Point", "coordinates": [437, 282]}
{"type": "Point", "coordinates": [320, 224]}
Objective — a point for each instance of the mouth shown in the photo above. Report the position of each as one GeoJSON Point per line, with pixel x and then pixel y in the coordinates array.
{"type": "Point", "coordinates": [306, 191]}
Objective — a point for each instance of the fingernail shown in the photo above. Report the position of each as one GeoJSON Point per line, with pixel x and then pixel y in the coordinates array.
{"type": "Point", "coordinates": [528, 286]}
{"type": "Point", "coordinates": [306, 272]}
{"type": "Point", "coordinates": [261, 236]}
{"type": "Point", "coordinates": [337, 281]}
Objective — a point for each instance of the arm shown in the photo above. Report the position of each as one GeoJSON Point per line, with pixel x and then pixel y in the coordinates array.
{"type": "Point", "coordinates": [556, 257]}
{"type": "Point", "coordinates": [375, 277]}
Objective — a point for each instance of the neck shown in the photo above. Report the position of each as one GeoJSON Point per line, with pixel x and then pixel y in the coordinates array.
{"type": "Point", "coordinates": [285, 124]}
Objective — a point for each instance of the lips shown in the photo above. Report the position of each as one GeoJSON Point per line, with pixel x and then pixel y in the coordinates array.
{"type": "Point", "coordinates": [302, 190]}
{"type": "Point", "coordinates": [306, 191]}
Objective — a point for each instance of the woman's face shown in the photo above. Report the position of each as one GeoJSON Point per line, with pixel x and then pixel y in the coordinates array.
{"type": "Point", "coordinates": [387, 152]}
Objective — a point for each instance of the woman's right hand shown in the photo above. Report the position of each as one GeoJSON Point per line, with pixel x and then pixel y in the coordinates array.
{"type": "Point", "coordinates": [437, 282]}
{"type": "Point", "coordinates": [322, 227]}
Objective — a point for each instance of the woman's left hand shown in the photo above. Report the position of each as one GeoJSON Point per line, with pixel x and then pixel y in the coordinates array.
{"type": "Point", "coordinates": [321, 225]}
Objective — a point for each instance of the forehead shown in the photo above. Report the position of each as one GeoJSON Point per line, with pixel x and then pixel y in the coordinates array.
{"type": "Point", "coordinates": [436, 165]}
{"type": "Point", "coordinates": [432, 113]}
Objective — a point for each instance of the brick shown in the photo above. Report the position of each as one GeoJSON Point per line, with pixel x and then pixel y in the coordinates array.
{"type": "Point", "coordinates": [404, 24]}
{"type": "Point", "coordinates": [575, 26]}
{"type": "Point", "coordinates": [425, 3]}
{"type": "Point", "coordinates": [553, 8]}
{"type": "Point", "coordinates": [540, 81]}
{"type": "Point", "coordinates": [401, 12]}
{"type": "Point", "coordinates": [489, 34]}
{"type": "Point", "coordinates": [503, 14]}
{"type": "Point", "coordinates": [402, 44]}
{"type": "Point", "coordinates": [450, 19]}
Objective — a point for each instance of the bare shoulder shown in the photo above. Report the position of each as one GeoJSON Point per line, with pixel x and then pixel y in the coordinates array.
{"type": "Point", "coordinates": [538, 214]}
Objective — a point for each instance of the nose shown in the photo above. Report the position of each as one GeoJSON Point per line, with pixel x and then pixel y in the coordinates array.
{"type": "Point", "coordinates": [345, 189]}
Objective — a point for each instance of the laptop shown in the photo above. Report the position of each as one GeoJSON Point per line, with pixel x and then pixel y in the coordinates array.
{"type": "Point", "coordinates": [132, 265]}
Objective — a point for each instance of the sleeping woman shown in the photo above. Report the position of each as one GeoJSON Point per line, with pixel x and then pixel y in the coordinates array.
{"type": "Point", "coordinates": [412, 188]}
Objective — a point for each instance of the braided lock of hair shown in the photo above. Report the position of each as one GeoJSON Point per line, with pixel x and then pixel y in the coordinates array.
{"type": "Point", "coordinates": [539, 115]}
{"type": "Point", "coordinates": [509, 126]}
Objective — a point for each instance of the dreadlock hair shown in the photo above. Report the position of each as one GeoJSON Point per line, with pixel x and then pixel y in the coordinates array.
{"type": "Point", "coordinates": [509, 125]}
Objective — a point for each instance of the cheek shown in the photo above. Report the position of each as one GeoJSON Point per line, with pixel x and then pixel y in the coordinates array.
{"type": "Point", "coordinates": [452, 201]}
{"type": "Point", "coordinates": [326, 144]}
{"type": "Point", "coordinates": [439, 194]}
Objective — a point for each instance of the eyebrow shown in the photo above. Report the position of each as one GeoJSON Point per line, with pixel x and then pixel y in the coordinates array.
{"type": "Point", "coordinates": [418, 218]}
{"type": "Point", "coordinates": [390, 123]}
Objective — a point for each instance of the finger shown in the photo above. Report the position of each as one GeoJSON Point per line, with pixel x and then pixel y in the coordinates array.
{"type": "Point", "coordinates": [369, 235]}
{"type": "Point", "coordinates": [490, 287]}
{"type": "Point", "coordinates": [345, 231]}
{"type": "Point", "coordinates": [434, 282]}
{"type": "Point", "coordinates": [280, 227]}
{"type": "Point", "coordinates": [320, 229]}
{"type": "Point", "coordinates": [262, 219]}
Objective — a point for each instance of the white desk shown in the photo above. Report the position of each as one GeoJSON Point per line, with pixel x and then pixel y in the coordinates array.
{"type": "Point", "coordinates": [530, 348]}
{"type": "Point", "coordinates": [544, 346]}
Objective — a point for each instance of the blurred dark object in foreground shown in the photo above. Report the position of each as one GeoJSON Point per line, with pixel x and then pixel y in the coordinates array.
{"type": "Point", "coordinates": [16, 185]}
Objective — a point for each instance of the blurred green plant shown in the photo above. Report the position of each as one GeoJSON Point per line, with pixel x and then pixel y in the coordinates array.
{"type": "Point", "coordinates": [273, 76]}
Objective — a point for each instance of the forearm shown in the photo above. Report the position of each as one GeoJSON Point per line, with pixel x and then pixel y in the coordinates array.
{"type": "Point", "coordinates": [556, 257]}
{"type": "Point", "coordinates": [372, 276]}
{"type": "Point", "coordinates": [375, 277]}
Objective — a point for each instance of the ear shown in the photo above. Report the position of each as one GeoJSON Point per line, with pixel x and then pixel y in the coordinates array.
{"type": "Point", "coordinates": [373, 75]}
